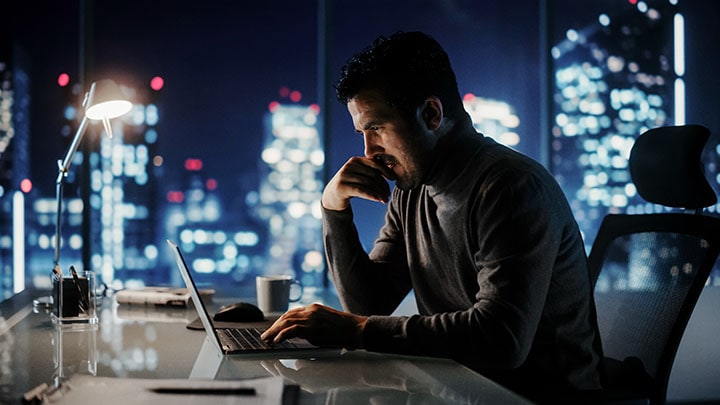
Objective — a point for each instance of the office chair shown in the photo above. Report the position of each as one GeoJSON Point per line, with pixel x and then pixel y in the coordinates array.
{"type": "Point", "coordinates": [648, 270]}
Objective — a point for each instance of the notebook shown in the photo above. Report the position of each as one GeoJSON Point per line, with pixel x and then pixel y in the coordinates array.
{"type": "Point", "coordinates": [232, 340]}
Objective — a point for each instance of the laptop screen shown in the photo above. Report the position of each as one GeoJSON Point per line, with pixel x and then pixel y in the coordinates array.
{"type": "Point", "coordinates": [199, 306]}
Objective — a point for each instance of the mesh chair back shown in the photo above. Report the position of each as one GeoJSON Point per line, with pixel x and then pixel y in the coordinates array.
{"type": "Point", "coordinates": [649, 272]}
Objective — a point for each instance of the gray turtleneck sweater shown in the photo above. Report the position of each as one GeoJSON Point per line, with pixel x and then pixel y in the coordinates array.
{"type": "Point", "coordinates": [495, 258]}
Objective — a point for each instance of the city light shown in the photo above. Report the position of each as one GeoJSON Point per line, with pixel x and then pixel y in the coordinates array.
{"type": "Point", "coordinates": [18, 247]}
{"type": "Point", "coordinates": [493, 118]}
{"type": "Point", "coordinates": [679, 105]}
{"type": "Point", "coordinates": [679, 67]}
{"type": "Point", "coordinates": [679, 44]}
{"type": "Point", "coordinates": [157, 83]}
{"type": "Point", "coordinates": [63, 79]}
{"type": "Point", "coordinates": [175, 196]}
{"type": "Point", "coordinates": [193, 165]}
{"type": "Point", "coordinates": [26, 186]}
{"type": "Point", "coordinates": [151, 114]}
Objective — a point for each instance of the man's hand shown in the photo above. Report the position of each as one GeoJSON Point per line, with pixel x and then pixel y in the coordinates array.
{"type": "Point", "coordinates": [320, 325]}
{"type": "Point", "coordinates": [359, 177]}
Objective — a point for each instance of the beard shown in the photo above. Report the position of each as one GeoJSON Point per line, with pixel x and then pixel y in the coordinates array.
{"type": "Point", "coordinates": [410, 179]}
{"type": "Point", "coordinates": [407, 183]}
{"type": "Point", "coordinates": [414, 165]}
{"type": "Point", "coordinates": [412, 158]}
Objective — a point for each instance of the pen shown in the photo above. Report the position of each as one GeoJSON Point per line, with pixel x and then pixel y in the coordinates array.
{"type": "Point", "coordinates": [204, 390]}
{"type": "Point", "coordinates": [74, 275]}
{"type": "Point", "coordinates": [82, 303]}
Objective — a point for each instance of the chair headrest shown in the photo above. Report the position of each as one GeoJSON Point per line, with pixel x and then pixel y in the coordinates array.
{"type": "Point", "coordinates": [666, 167]}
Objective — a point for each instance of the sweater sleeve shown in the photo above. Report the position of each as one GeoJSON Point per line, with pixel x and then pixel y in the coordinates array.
{"type": "Point", "coordinates": [366, 284]}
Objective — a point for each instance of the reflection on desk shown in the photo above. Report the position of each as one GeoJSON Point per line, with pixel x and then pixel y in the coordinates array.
{"type": "Point", "coordinates": [360, 377]}
{"type": "Point", "coordinates": [156, 346]}
{"type": "Point", "coordinates": [364, 377]}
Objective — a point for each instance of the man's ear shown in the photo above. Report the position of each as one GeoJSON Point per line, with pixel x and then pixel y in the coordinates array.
{"type": "Point", "coordinates": [431, 112]}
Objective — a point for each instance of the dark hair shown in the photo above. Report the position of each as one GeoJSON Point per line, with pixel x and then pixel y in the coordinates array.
{"type": "Point", "coordinates": [406, 68]}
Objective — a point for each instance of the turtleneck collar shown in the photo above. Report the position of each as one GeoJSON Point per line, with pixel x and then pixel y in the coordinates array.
{"type": "Point", "coordinates": [451, 154]}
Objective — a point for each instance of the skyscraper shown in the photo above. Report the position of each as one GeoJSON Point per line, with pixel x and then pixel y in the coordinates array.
{"type": "Point", "coordinates": [290, 191]}
{"type": "Point", "coordinates": [613, 80]}
{"type": "Point", "coordinates": [14, 165]}
{"type": "Point", "coordinates": [124, 195]}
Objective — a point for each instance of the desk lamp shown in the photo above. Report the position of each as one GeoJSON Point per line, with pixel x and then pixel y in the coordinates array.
{"type": "Point", "coordinates": [102, 102]}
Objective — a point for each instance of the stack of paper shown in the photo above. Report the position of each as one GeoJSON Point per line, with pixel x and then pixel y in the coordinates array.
{"type": "Point", "coordinates": [169, 296]}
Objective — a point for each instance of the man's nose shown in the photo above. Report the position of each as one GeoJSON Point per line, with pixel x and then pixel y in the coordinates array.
{"type": "Point", "coordinates": [371, 145]}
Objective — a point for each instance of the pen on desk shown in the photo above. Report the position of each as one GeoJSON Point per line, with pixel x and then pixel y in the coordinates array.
{"type": "Point", "coordinates": [204, 390]}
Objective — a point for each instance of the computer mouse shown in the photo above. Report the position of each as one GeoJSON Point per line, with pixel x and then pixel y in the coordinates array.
{"type": "Point", "coordinates": [239, 312]}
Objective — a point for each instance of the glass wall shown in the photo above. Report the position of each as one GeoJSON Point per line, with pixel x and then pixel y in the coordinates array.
{"type": "Point", "coordinates": [235, 127]}
{"type": "Point", "coordinates": [224, 150]}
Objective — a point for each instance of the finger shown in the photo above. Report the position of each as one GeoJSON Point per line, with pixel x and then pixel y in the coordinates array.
{"type": "Point", "coordinates": [286, 320]}
{"type": "Point", "coordinates": [289, 332]}
{"type": "Point", "coordinates": [358, 177]}
{"type": "Point", "coordinates": [364, 181]}
{"type": "Point", "coordinates": [269, 334]}
{"type": "Point", "coordinates": [380, 192]}
{"type": "Point", "coordinates": [380, 164]}
{"type": "Point", "coordinates": [375, 166]}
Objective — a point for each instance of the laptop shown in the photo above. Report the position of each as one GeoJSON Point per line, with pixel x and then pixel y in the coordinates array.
{"type": "Point", "coordinates": [232, 340]}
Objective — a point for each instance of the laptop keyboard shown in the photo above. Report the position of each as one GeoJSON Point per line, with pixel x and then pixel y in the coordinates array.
{"type": "Point", "coordinates": [248, 339]}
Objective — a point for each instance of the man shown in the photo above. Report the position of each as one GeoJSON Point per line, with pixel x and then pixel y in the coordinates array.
{"type": "Point", "coordinates": [482, 234]}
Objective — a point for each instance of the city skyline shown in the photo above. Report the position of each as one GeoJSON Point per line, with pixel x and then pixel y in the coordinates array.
{"type": "Point", "coordinates": [224, 66]}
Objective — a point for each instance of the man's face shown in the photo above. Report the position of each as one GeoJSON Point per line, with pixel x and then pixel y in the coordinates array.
{"type": "Point", "coordinates": [403, 146]}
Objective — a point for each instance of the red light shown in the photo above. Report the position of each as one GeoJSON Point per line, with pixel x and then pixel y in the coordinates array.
{"type": "Point", "coordinates": [26, 186]}
{"type": "Point", "coordinates": [211, 184]}
{"type": "Point", "coordinates": [633, 2]}
{"type": "Point", "coordinates": [63, 79]}
{"type": "Point", "coordinates": [157, 83]}
{"type": "Point", "coordinates": [175, 196]}
{"type": "Point", "coordinates": [315, 108]}
{"type": "Point", "coordinates": [284, 92]}
{"type": "Point", "coordinates": [193, 165]}
{"type": "Point", "coordinates": [295, 96]}
{"type": "Point", "coordinates": [273, 106]}
{"type": "Point", "coordinates": [469, 97]}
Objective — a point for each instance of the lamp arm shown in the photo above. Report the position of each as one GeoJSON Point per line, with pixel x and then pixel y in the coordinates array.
{"type": "Point", "coordinates": [64, 165]}
{"type": "Point", "coordinates": [58, 222]}
{"type": "Point", "coordinates": [63, 168]}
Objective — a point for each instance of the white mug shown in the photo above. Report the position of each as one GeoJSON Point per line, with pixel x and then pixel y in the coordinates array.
{"type": "Point", "coordinates": [273, 293]}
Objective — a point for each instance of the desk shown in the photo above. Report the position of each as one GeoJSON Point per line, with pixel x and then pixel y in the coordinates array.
{"type": "Point", "coordinates": [153, 343]}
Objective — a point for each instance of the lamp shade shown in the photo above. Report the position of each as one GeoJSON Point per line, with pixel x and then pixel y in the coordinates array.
{"type": "Point", "coordinates": [105, 101]}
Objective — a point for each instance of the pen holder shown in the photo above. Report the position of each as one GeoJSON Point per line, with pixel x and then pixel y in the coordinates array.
{"type": "Point", "coordinates": [74, 299]}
